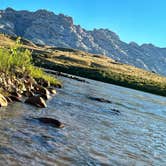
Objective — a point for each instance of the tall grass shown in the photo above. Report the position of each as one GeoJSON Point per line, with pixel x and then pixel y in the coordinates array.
{"type": "Point", "coordinates": [16, 59]}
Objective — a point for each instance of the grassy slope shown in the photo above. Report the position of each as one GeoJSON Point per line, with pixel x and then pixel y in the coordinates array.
{"type": "Point", "coordinates": [96, 67]}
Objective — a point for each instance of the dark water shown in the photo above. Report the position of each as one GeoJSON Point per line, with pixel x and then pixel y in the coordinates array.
{"type": "Point", "coordinates": [94, 134]}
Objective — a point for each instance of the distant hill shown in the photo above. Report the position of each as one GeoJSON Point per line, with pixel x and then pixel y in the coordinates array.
{"type": "Point", "coordinates": [44, 27]}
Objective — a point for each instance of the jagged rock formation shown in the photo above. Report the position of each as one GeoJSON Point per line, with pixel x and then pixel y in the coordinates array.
{"type": "Point", "coordinates": [44, 27]}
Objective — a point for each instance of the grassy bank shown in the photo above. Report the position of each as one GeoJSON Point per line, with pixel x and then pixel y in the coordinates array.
{"type": "Point", "coordinates": [16, 63]}
{"type": "Point", "coordinates": [97, 67]}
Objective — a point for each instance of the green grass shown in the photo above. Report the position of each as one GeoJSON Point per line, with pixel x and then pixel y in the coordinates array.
{"type": "Point", "coordinates": [18, 60]}
{"type": "Point", "coordinates": [36, 72]}
{"type": "Point", "coordinates": [14, 59]}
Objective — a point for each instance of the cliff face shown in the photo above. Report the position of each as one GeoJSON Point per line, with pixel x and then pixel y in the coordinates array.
{"type": "Point", "coordinates": [45, 27]}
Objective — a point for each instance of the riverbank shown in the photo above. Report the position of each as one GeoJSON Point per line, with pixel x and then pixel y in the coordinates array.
{"type": "Point", "coordinates": [97, 67]}
{"type": "Point", "coordinates": [20, 80]}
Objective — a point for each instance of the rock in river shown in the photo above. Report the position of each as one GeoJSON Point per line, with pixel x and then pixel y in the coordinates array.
{"type": "Point", "coordinates": [100, 99]}
{"type": "Point", "coordinates": [36, 101]}
{"type": "Point", "coordinates": [51, 122]}
{"type": "Point", "coordinates": [52, 90]}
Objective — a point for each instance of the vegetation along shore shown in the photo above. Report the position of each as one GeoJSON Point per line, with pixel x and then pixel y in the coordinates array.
{"type": "Point", "coordinates": [20, 80]}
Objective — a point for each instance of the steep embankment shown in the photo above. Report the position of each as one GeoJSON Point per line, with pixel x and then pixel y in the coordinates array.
{"type": "Point", "coordinates": [98, 67]}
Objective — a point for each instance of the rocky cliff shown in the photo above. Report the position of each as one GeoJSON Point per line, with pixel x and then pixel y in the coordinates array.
{"type": "Point", "coordinates": [44, 27]}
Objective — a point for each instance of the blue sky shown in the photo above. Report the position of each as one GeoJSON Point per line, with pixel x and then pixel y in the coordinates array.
{"type": "Point", "coordinates": [142, 21]}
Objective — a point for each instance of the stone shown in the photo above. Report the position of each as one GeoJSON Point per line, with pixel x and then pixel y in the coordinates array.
{"type": "Point", "coordinates": [42, 90]}
{"type": "Point", "coordinates": [3, 101]}
{"type": "Point", "coordinates": [43, 82]}
{"type": "Point", "coordinates": [36, 101]}
{"type": "Point", "coordinates": [52, 90]}
{"type": "Point", "coordinates": [51, 122]}
{"type": "Point", "coordinates": [58, 85]}
{"type": "Point", "coordinates": [100, 99]}
{"type": "Point", "coordinates": [45, 96]}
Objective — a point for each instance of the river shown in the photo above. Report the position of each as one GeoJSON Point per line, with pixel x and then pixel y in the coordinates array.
{"type": "Point", "coordinates": [94, 133]}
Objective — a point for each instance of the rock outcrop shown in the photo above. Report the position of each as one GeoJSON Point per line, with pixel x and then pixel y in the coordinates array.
{"type": "Point", "coordinates": [44, 27]}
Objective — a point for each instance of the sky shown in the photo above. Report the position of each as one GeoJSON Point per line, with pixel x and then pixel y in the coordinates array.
{"type": "Point", "coordinates": [141, 21]}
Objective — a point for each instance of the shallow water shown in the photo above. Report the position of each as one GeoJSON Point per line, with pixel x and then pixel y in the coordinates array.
{"type": "Point", "coordinates": [94, 134]}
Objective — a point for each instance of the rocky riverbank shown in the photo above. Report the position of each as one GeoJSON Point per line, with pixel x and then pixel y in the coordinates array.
{"type": "Point", "coordinates": [34, 91]}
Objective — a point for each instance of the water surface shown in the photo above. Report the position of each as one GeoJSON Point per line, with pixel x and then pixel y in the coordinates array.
{"type": "Point", "coordinates": [94, 134]}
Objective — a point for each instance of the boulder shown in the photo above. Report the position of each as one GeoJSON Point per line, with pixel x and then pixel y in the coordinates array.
{"type": "Point", "coordinates": [42, 90]}
{"type": "Point", "coordinates": [51, 122]}
{"type": "Point", "coordinates": [43, 82]}
{"type": "Point", "coordinates": [52, 90]}
{"type": "Point", "coordinates": [45, 96]}
{"type": "Point", "coordinates": [3, 101]}
{"type": "Point", "coordinates": [36, 101]}
{"type": "Point", "coordinates": [58, 85]}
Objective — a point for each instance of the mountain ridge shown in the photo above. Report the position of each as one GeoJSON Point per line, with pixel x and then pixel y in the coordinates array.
{"type": "Point", "coordinates": [45, 27]}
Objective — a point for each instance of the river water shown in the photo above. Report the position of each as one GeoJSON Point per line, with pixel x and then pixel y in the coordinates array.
{"type": "Point", "coordinates": [94, 133]}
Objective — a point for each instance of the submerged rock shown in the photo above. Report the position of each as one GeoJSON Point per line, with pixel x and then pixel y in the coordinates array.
{"type": "Point", "coordinates": [115, 111]}
{"type": "Point", "coordinates": [3, 101]}
{"type": "Point", "coordinates": [51, 122]}
{"type": "Point", "coordinates": [100, 99]}
{"type": "Point", "coordinates": [36, 101]}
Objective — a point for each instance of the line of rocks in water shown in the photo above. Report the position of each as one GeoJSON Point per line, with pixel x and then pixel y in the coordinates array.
{"type": "Point", "coordinates": [26, 89]}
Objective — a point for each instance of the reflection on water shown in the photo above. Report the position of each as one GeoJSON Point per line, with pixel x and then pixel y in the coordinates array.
{"type": "Point", "coordinates": [94, 133]}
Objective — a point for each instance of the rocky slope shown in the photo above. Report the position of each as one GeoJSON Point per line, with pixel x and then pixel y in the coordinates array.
{"type": "Point", "coordinates": [44, 27]}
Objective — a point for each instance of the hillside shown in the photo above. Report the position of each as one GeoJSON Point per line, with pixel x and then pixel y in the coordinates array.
{"type": "Point", "coordinates": [44, 27]}
{"type": "Point", "coordinates": [97, 67]}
